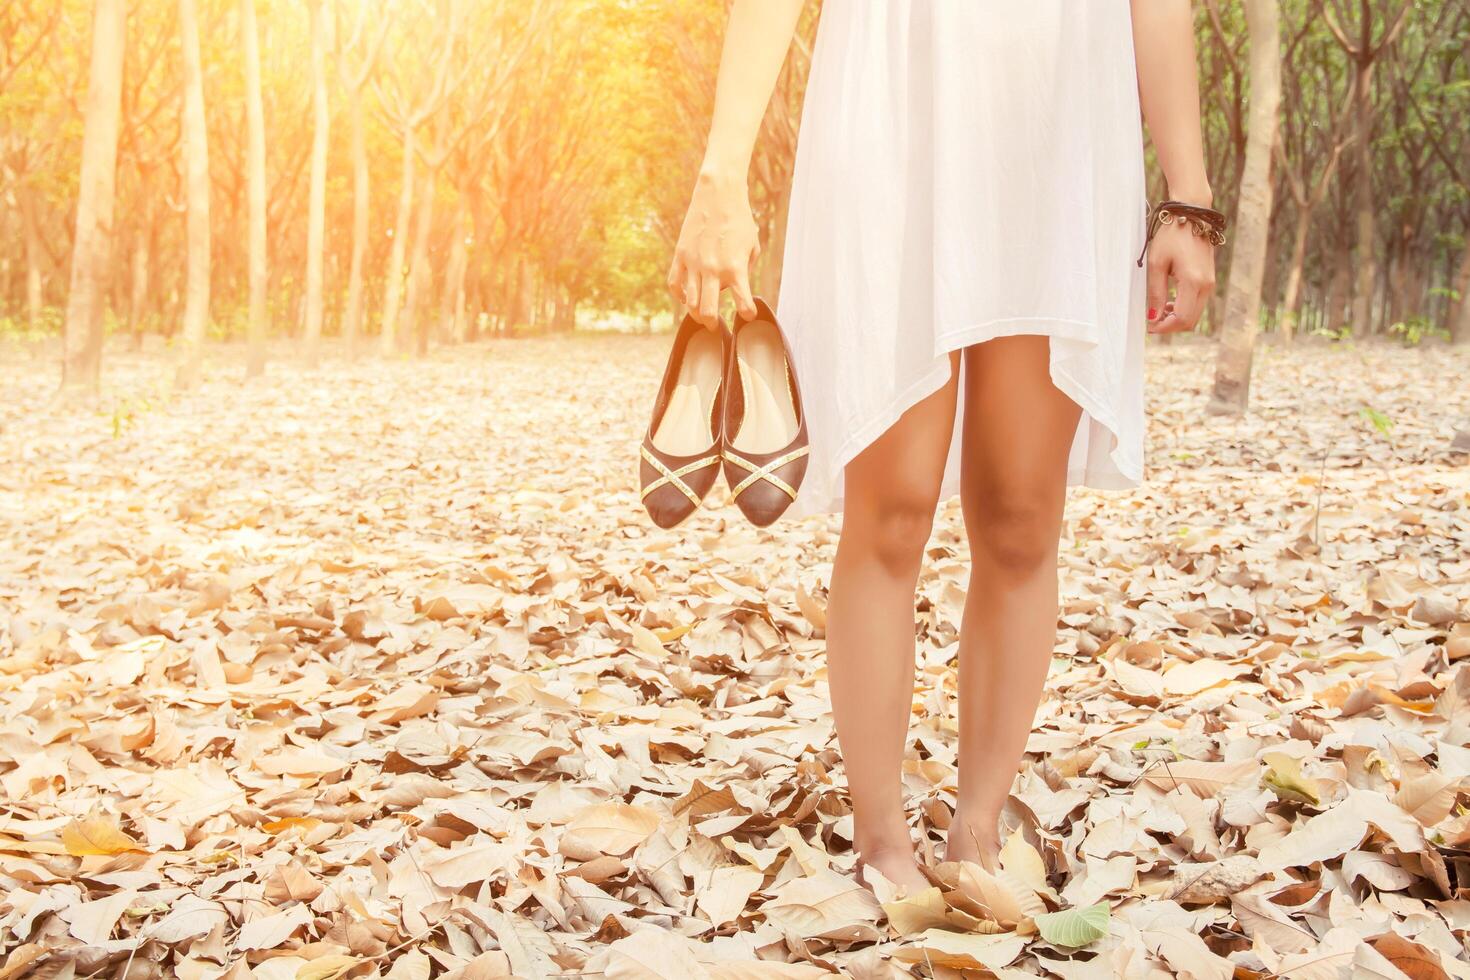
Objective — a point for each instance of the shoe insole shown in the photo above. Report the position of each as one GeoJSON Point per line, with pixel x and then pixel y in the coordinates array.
{"type": "Point", "coordinates": [685, 427]}
{"type": "Point", "coordinates": [770, 413]}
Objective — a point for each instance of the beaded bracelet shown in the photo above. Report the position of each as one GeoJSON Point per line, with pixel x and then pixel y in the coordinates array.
{"type": "Point", "coordinates": [1207, 223]}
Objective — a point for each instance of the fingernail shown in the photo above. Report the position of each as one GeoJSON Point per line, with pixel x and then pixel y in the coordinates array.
{"type": "Point", "coordinates": [1152, 312]}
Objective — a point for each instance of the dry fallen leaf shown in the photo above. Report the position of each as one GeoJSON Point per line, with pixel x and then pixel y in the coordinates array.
{"type": "Point", "coordinates": [93, 922]}
{"type": "Point", "coordinates": [291, 882]}
{"type": "Point", "coordinates": [609, 828]}
{"type": "Point", "coordinates": [270, 931]}
{"type": "Point", "coordinates": [1218, 881]}
{"type": "Point", "coordinates": [825, 905]}
{"type": "Point", "coordinates": [98, 835]}
{"type": "Point", "coordinates": [960, 951]}
{"type": "Point", "coordinates": [429, 691]}
{"type": "Point", "coordinates": [327, 967]}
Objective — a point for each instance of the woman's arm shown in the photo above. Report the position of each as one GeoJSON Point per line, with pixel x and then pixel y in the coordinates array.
{"type": "Point", "coordinates": [718, 242]}
{"type": "Point", "coordinates": [1168, 92]}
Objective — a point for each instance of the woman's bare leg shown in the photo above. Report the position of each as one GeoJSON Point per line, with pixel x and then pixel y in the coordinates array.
{"type": "Point", "coordinates": [1018, 431]}
{"type": "Point", "coordinates": [891, 491]}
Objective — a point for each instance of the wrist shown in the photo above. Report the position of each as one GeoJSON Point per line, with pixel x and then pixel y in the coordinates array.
{"type": "Point", "coordinates": [720, 169]}
{"type": "Point", "coordinates": [718, 179]}
{"type": "Point", "coordinates": [1192, 193]}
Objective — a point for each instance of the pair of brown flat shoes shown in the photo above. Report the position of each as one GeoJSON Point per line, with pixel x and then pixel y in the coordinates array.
{"type": "Point", "coordinates": [728, 396]}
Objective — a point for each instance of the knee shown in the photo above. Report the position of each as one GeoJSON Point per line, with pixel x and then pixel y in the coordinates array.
{"type": "Point", "coordinates": [894, 531]}
{"type": "Point", "coordinates": [1014, 535]}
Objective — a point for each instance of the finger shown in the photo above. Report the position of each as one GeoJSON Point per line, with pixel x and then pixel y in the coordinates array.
{"type": "Point", "coordinates": [691, 291]}
{"type": "Point", "coordinates": [675, 281]}
{"type": "Point", "coordinates": [744, 302]}
{"type": "Point", "coordinates": [709, 300]}
{"type": "Point", "coordinates": [1167, 321]}
{"type": "Point", "coordinates": [1188, 303]}
{"type": "Point", "coordinates": [1158, 289]}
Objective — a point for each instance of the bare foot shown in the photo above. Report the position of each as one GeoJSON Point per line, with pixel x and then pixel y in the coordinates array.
{"type": "Point", "coordinates": [974, 839]}
{"type": "Point", "coordinates": [896, 863]}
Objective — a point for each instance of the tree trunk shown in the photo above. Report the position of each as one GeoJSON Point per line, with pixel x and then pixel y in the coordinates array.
{"type": "Point", "coordinates": [1292, 302]}
{"type": "Point", "coordinates": [316, 220]}
{"type": "Point", "coordinates": [1460, 319]}
{"type": "Point", "coordinates": [1367, 263]}
{"type": "Point", "coordinates": [1271, 277]}
{"type": "Point", "coordinates": [1404, 286]}
{"type": "Point", "coordinates": [460, 329]}
{"type": "Point", "coordinates": [416, 327]}
{"type": "Point", "coordinates": [256, 191]}
{"type": "Point", "coordinates": [451, 311]}
{"type": "Point", "coordinates": [1417, 292]}
{"type": "Point", "coordinates": [352, 323]}
{"type": "Point", "coordinates": [1339, 292]}
{"type": "Point", "coordinates": [517, 310]}
{"type": "Point", "coordinates": [81, 364]}
{"type": "Point", "coordinates": [196, 180]}
{"type": "Point", "coordinates": [138, 297]}
{"type": "Point", "coordinates": [528, 294]}
{"type": "Point", "coordinates": [563, 312]}
{"type": "Point", "coordinates": [471, 292]}
{"type": "Point", "coordinates": [1253, 214]}
{"type": "Point", "coordinates": [35, 281]}
{"type": "Point", "coordinates": [388, 337]}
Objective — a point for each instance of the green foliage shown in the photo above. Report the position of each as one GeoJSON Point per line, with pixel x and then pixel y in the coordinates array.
{"type": "Point", "coordinates": [20, 328]}
{"type": "Point", "coordinates": [125, 413]}
{"type": "Point", "coordinates": [1338, 334]}
{"type": "Point", "coordinates": [1381, 422]}
{"type": "Point", "coordinates": [229, 322]}
{"type": "Point", "coordinates": [1075, 927]}
{"type": "Point", "coordinates": [1414, 330]}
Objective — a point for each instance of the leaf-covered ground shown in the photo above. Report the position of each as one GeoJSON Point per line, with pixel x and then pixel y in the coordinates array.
{"type": "Point", "coordinates": [378, 670]}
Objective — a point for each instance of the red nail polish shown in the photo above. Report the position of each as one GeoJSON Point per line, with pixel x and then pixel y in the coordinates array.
{"type": "Point", "coordinates": [1152, 312]}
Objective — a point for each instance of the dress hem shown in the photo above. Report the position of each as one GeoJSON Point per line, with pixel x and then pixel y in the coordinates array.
{"type": "Point", "coordinates": [1126, 475]}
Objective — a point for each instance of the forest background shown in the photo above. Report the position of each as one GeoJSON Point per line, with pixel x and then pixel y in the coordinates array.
{"type": "Point", "coordinates": [404, 174]}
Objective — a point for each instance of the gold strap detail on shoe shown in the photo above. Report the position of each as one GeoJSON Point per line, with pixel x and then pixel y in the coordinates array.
{"type": "Point", "coordinates": [765, 472]}
{"type": "Point", "coordinates": [672, 477]}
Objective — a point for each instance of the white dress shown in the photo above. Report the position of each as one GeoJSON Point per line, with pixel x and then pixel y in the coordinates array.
{"type": "Point", "coordinates": [966, 169]}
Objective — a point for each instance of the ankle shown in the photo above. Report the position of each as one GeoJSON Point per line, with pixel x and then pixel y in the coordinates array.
{"type": "Point", "coordinates": [978, 818]}
{"type": "Point", "coordinates": [876, 849]}
{"type": "Point", "coordinates": [891, 836]}
{"type": "Point", "coordinates": [973, 808]}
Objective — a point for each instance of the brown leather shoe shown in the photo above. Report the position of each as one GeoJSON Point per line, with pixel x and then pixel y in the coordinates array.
{"type": "Point", "coordinates": [765, 440]}
{"type": "Point", "coordinates": [680, 456]}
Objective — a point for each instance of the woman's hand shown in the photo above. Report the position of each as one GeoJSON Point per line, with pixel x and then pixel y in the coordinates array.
{"type": "Point", "coordinates": [1178, 253]}
{"type": "Point", "coordinates": [1168, 94]}
{"type": "Point", "coordinates": [717, 246]}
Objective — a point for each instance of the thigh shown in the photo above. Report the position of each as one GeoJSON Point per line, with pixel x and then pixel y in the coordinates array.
{"type": "Point", "coordinates": [904, 467]}
{"type": "Point", "coordinates": [1018, 428]}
